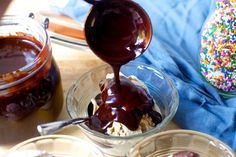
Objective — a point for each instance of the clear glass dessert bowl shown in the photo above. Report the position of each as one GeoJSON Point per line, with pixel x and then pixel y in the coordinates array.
{"type": "Point", "coordinates": [54, 146]}
{"type": "Point", "coordinates": [168, 143]}
{"type": "Point", "coordinates": [86, 88]}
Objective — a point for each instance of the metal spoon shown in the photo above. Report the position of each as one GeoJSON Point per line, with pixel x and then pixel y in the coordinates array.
{"type": "Point", "coordinates": [53, 127]}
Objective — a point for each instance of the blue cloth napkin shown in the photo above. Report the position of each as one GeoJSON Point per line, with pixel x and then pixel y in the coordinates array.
{"type": "Point", "coordinates": [175, 49]}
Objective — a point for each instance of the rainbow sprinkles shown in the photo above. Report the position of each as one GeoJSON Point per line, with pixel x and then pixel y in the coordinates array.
{"type": "Point", "coordinates": [218, 47]}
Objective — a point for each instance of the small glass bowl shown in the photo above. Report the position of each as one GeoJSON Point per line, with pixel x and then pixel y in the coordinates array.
{"type": "Point", "coordinates": [167, 143]}
{"type": "Point", "coordinates": [87, 87]}
{"type": "Point", "coordinates": [54, 145]}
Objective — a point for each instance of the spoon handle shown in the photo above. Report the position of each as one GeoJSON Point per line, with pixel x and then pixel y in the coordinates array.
{"type": "Point", "coordinates": [52, 127]}
{"type": "Point", "coordinates": [93, 2]}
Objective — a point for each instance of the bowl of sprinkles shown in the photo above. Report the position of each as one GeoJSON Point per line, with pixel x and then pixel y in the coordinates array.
{"type": "Point", "coordinates": [218, 48]}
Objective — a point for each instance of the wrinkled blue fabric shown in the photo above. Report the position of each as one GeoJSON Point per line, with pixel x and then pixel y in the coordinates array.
{"type": "Point", "coordinates": [175, 49]}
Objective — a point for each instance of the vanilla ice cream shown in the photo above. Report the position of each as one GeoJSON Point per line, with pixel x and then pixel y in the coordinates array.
{"type": "Point", "coordinates": [119, 129]}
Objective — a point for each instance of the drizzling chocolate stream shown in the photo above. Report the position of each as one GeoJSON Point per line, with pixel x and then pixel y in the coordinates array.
{"type": "Point", "coordinates": [118, 32]}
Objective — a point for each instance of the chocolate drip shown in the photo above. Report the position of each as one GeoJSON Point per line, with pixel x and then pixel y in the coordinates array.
{"type": "Point", "coordinates": [118, 32]}
{"type": "Point", "coordinates": [16, 52]}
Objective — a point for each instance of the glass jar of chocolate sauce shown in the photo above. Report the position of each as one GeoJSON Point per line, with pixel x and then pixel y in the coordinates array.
{"type": "Point", "coordinates": [30, 83]}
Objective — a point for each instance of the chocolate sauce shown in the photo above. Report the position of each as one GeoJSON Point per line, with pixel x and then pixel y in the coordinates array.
{"type": "Point", "coordinates": [126, 103]}
{"type": "Point", "coordinates": [27, 96]}
{"type": "Point", "coordinates": [16, 53]}
{"type": "Point", "coordinates": [118, 32]}
{"type": "Point", "coordinates": [186, 154]}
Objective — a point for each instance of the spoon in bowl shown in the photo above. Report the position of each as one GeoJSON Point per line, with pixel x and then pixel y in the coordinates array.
{"type": "Point", "coordinates": [53, 127]}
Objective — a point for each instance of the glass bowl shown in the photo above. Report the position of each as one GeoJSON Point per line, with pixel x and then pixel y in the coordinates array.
{"type": "Point", "coordinates": [54, 146]}
{"type": "Point", "coordinates": [87, 87]}
{"type": "Point", "coordinates": [167, 143]}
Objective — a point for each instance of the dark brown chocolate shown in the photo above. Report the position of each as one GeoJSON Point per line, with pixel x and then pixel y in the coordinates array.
{"type": "Point", "coordinates": [118, 32]}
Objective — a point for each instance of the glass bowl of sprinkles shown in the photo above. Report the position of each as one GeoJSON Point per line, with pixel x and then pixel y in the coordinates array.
{"type": "Point", "coordinates": [218, 50]}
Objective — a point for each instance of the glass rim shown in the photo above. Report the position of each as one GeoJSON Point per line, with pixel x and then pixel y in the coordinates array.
{"type": "Point", "coordinates": [181, 132]}
{"type": "Point", "coordinates": [157, 128]}
{"type": "Point", "coordinates": [14, 20]}
{"type": "Point", "coordinates": [54, 136]}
